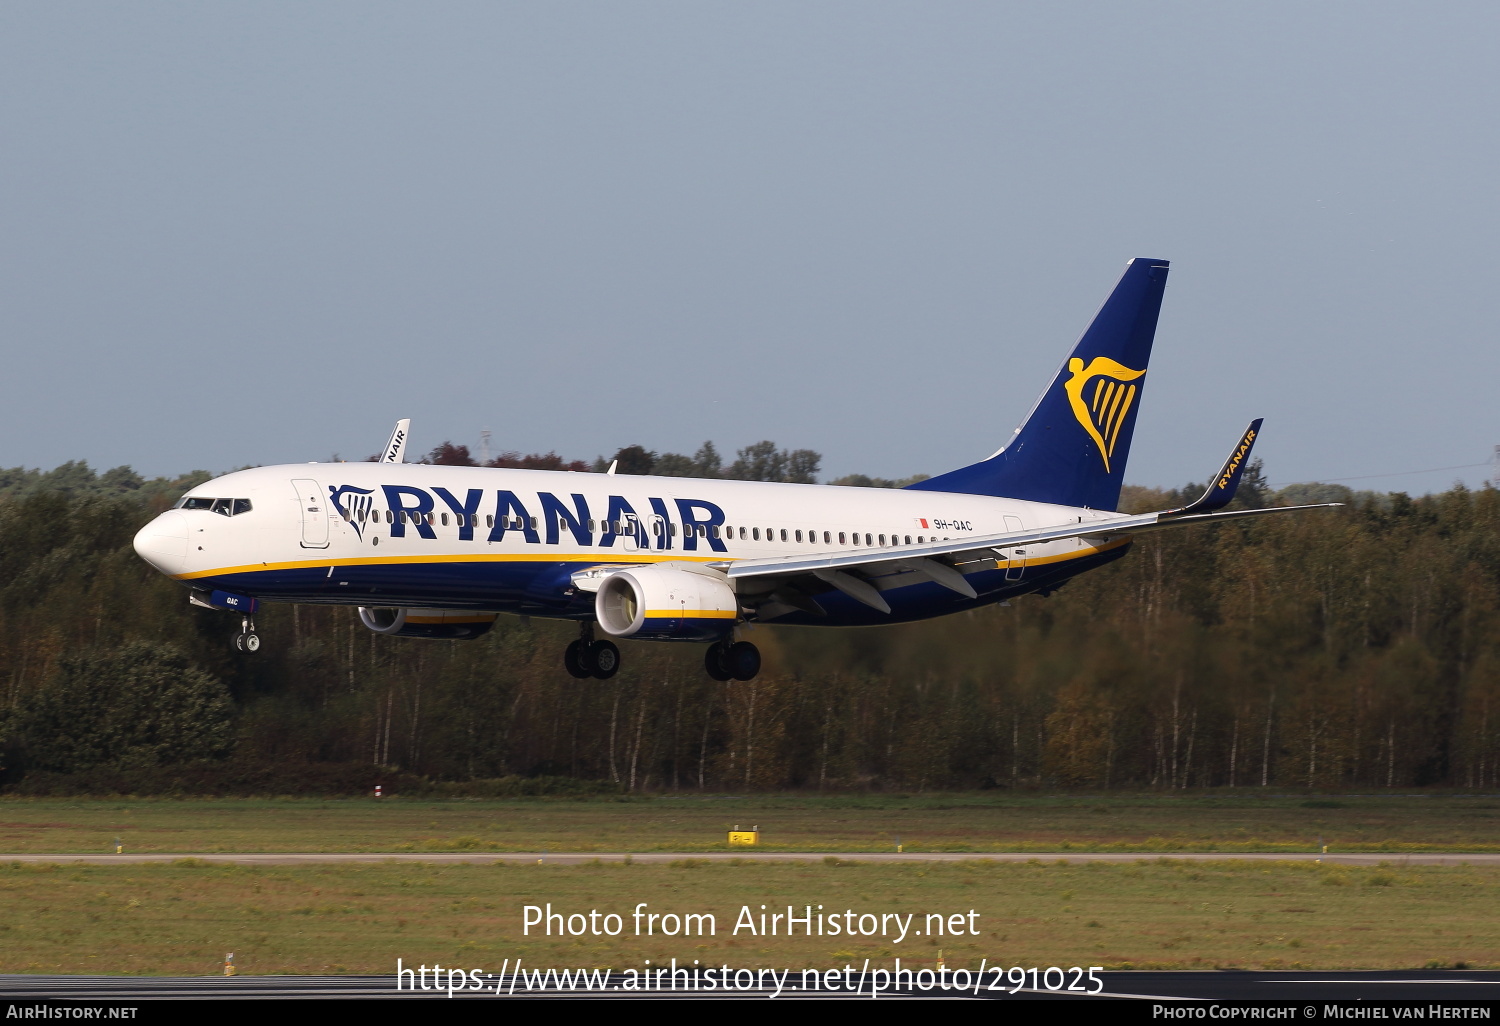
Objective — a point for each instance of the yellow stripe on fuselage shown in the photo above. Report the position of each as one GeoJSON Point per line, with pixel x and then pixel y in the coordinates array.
{"type": "Point", "coordinates": [525, 557]}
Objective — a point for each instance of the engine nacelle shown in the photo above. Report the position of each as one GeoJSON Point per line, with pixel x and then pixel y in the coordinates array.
{"type": "Point", "coordinates": [437, 624]}
{"type": "Point", "coordinates": [666, 603]}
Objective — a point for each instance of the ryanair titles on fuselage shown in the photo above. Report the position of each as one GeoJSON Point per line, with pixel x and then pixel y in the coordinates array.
{"type": "Point", "coordinates": [408, 507]}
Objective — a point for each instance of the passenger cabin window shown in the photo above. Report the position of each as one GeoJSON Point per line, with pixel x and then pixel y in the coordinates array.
{"type": "Point", "coordinates": [799, 535]}
{"type": "Point", "coordinates": [756, 532]}
{"type": "Point", "coordinates": [841, 539]}
{"type": "Point", "coordinates": [868, 541]}
{"type": "Point", "coordinates": [445, 519]}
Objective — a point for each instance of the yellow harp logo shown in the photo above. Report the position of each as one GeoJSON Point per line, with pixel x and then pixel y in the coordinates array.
{"type": "Point", "coordinates": [1100, 395]}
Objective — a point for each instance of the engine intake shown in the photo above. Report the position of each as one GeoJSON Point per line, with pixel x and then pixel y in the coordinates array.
{"type": "Point", "coordinates": [666, 603]}
{"type": "Point", "coordinates": [437, 624]}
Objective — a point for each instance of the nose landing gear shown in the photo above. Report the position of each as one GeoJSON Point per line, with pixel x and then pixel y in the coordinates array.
{"type": "Point", "coordinates": [247, 640]}
{"type": "Point", "coordinates": [586, 657]}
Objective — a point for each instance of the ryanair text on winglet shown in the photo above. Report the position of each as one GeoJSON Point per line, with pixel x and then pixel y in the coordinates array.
{"type": "Point", "coordinates": [1234, 461]}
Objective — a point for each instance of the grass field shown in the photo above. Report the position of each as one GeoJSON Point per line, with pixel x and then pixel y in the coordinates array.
{"type": "Point", "coordinates": [181, 918]}
{"type": "Point", "coordinates": [851, 824]}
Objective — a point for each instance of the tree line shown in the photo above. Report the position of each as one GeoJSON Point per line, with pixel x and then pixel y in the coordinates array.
{"type": "Point", "coordinates": [1348, 648]}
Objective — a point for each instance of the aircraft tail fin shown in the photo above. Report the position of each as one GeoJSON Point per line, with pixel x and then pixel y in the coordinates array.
{"type": "Point", "coordinates": [1071, 449]}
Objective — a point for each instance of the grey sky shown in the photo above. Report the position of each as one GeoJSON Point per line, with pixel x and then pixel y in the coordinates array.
{"type": "Point", "coordinates": [257, 233]}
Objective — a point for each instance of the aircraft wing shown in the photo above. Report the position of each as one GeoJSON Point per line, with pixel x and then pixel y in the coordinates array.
{"type": "Point", "coordinates": [981, 546]}
{"type": "Point", "coordinates": [941, 562]}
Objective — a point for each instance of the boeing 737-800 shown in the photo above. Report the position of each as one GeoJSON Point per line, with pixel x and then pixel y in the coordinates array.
{"type": "Point", "coordinates": [438, 552]}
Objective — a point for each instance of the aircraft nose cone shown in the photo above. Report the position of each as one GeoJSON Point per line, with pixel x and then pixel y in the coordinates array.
{"type": "Point", "coordinates": [163, 542]}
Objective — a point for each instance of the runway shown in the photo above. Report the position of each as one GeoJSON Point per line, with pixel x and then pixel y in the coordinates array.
{"type": "Point", "coordinates": [1295, 988]}
{"type": "Point", "coordinates": [572, 858]}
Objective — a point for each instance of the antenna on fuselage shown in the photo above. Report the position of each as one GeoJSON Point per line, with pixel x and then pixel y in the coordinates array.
{"type": "Point", "coordinates": [612, 465]}
{"type": "Point", "coordinates": [395, 449]}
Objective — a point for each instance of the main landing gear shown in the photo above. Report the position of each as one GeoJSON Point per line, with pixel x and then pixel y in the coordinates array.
{"type": "Point", "coordinates": [247, 640]}
{"type": "Point", "coordinates": [739, 660]}
{"type": "Point", "coordinates": [589, 658]}
{"type": "Point", "coordinates": [725, 660]}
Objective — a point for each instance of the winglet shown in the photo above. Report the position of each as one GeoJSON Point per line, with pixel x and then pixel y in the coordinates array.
{"type": "Point", "coordinates": [1222, 488]}
{"type": "Point", "coordinates": [395, 449]}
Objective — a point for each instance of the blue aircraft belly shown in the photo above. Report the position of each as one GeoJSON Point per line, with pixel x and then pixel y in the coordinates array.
{"type": "Point", "coordinates": [544, 588]}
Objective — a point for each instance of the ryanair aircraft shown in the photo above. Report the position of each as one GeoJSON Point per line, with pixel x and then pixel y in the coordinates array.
{"type": "Point", "coordinates": [438, 552]}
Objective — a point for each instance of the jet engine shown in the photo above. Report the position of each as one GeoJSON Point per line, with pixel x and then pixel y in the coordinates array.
{"type": "Point", "coordinates": [666, 603]}
{"type": "Point", "coordinates": [438, 624]}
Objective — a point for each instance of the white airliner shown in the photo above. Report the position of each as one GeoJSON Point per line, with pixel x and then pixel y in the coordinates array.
{"type": "Point", "coordinates": [438, 552]}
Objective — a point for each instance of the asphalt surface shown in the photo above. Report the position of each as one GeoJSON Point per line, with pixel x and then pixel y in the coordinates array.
{"type": "Point", "coordinates": [575, 858]}
{"type": "Point", "coordinates": [1298, 989]}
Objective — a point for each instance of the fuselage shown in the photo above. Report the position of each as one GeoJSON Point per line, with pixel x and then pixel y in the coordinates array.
{"type": "Point", "coordinates": [470, 538]}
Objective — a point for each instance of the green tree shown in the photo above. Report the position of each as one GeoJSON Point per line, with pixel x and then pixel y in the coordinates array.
{"type": "Point", "coordinates": [635, 459]}
{"type": "Point", "coordinates": [707, 461]}
{"type": "Point", "coordinates": [141, 705]}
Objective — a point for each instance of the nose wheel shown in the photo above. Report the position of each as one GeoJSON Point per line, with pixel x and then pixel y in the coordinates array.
{"type": "Point", "coordinates": [247, 640]}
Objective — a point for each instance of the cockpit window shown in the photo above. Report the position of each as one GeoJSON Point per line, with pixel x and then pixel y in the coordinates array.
{"type": "Point", "coordinates": [224, 507]}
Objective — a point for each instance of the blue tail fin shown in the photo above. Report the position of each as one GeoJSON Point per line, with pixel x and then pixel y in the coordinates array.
{"type": "Point", "coordinates": [1071, 450]}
